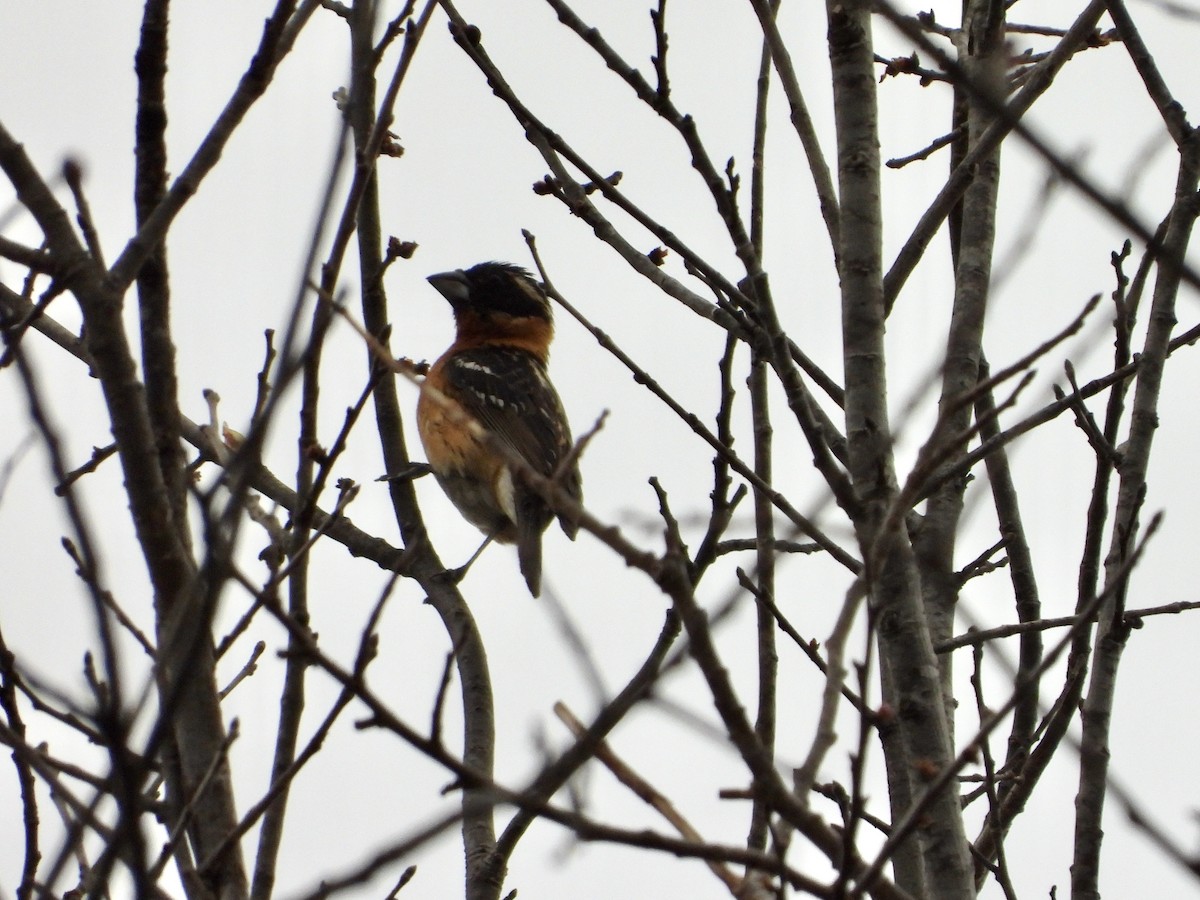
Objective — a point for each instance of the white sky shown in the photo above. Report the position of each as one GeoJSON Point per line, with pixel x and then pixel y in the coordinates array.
{"type": "Point", "coordinates": [462, 191]}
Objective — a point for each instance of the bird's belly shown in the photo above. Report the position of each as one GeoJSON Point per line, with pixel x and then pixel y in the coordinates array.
{"type": "Point", "coordinates": [474, 479]}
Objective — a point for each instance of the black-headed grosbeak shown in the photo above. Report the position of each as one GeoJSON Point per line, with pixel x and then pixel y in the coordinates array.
{"type": "Point", "coordinates": [495, 373]}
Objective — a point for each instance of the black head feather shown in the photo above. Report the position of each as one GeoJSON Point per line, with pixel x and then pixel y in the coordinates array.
{"type": "Point", "coordinates": [493, 288]}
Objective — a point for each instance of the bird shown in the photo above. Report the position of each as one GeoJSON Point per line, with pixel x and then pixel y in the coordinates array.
{"type": "Point", "coordinates": [495, 373]}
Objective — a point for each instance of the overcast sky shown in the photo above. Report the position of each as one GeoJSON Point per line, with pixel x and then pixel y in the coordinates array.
{"type": "Point", "coordinates": [462, 192]}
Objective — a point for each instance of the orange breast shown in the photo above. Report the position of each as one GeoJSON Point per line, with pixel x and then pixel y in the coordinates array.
{"type": "Point", "coordinates": [467, 469]}
{"type": "Point", "coordinates": [449, 444]}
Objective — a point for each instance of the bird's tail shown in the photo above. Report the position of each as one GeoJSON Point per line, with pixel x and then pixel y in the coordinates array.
{"type": "Point", "coordinates": [529, 552]}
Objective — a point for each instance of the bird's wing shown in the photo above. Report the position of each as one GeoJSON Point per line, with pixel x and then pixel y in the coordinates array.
{"type": "Point", "coordinates": [507, 391]}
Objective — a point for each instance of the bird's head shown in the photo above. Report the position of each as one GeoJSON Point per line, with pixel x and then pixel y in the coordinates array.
{"type": "Point", "coordinates": [493, 291]}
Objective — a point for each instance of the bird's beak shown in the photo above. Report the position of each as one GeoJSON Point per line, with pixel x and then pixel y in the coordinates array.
{"type": "Point", "coordinates": [452, 285]}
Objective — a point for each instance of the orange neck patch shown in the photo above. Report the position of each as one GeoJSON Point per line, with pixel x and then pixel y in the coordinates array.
{"type": "Point", "coordinates": [529, 333]}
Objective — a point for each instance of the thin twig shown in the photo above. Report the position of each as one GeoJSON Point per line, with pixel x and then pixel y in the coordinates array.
{"type": "Point", "coordinates": [625, 774]}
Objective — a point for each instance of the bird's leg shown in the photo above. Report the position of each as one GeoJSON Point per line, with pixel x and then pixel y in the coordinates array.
{"type": "Point", "coordinates": [454, 576]}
